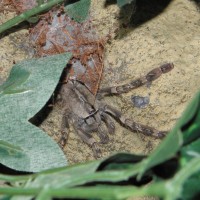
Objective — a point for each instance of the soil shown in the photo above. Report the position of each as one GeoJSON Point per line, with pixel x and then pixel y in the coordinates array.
{"type": "Point", "coordinates": [171, 36]}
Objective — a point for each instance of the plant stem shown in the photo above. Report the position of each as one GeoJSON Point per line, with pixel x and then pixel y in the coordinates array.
{"type": "Point", "coordinates": [10, 178]}
{"type": "Point", "coordinates": [19, 191]}
{"type": "Point", "coordinates": [102, 192]}
{"type": "Point", "coordinates": [27, 14]}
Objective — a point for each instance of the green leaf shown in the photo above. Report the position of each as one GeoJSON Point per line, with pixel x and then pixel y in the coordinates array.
{"type": "Point", "coordinates": [24, 146]}
{"type": "Point", "coordinates": [166, 150]}
{"type": "Point", "coordinates": [189, 152]}
{"type": "Point", "coordinates": [191, 187]}
{"type": "Point", "coordinates": [176, 185]}
{"type": "Point", "coordinates": [58, 183]}
{"type": "Point", "coordinates": [65, 177]}
{"type": "Point", "coordinates": [79, 10]}
{"type": "Point", "coordinates": [121, 3]}
{"type": "Point", "coordinates": [89, 172]}
{"type": "Point", "coordinates": [11, 150]}
{"type": "Point", "coordinates": [13, 84]}
{"type": "Point", "coordinates": [190, 125]}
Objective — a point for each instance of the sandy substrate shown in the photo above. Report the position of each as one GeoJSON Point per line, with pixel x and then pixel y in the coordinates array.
{"type": "Point", "coordinates": [172, 36]}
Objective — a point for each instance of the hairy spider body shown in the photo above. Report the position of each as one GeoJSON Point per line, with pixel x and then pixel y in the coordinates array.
{"type": "Point", "coordinates": [89, 114]}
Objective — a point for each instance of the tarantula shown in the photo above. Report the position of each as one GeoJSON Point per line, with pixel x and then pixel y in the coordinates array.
{"type": "Point", "coordinates": [88, 113]}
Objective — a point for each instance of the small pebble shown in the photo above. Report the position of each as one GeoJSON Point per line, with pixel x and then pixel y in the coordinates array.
{"type": "Point", "coordinates": [140, 102]}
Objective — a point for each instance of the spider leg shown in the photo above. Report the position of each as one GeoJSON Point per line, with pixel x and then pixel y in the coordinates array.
{"type": "Point", "coordinates": [90, 141]}
{"type": "Point", "coordinates": [81, 131]}
{"type": "Point", "coordinates": [83, 92]}
{"type": "Point", "coordinates": [64, 129]}
{"type": "Point", "coordinates": [102, 134]}
{"type": "Point", "coordinates": [108, 121]}
{"type": "Point", "coordinates": [132, 125]}
{"type": "Point", "coordinates": [149, 77]}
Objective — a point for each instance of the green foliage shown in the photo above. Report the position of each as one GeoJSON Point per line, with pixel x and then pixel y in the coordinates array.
{"type": "Point", "coordinates": [173, 169]}
{"type": "Point", "coordinates": [23, 146]}
{"type": "Point", "coordinates": [7, 150]}
{"type": "Point", "coordinates": [13, 84]}
{"type": "Point", "coordinates": [79, 10]}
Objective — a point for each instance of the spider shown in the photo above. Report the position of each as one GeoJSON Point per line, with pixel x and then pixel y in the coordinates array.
{"type": "Point", "coordinates": [89, 114]}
